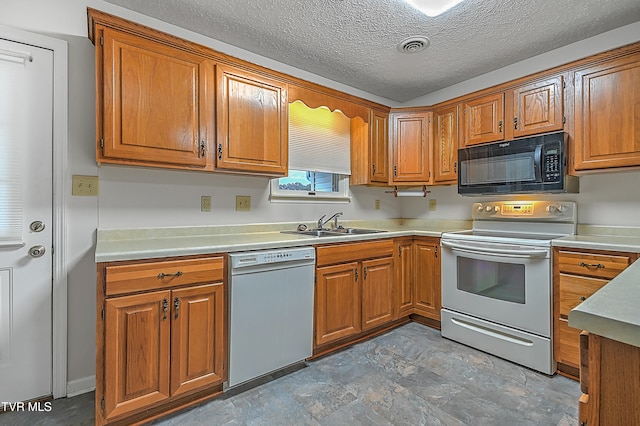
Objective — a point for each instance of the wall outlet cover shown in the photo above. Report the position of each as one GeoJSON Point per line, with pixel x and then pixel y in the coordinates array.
{"type": "Point", "coordinates": [432, 204]}
{"type": "Point", "coordinates": [243, 203]}
{"type": "Point", "coordinates": [205, 203]}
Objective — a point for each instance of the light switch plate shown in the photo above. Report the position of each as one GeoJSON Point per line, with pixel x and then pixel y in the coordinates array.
{"type": "Point", "coordinates": [432, 204]}
{"type": "Point", "coordinates": [243, 203]}
{"type": "Point", "coordinates": [84, 186]}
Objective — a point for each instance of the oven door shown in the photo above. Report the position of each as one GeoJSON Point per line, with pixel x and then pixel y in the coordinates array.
{"type": "Point", "coordinates": [503, 283]}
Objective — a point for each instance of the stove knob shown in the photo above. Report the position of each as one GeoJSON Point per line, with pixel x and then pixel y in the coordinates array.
{"type": "Point", "coordinates": [552, 208]}
{"type": "Point", "coordinates": [496, 209]}
{"type": "Point", "coordinates": [488, 209]}
{"type": "Point", "coordinates": [480, 208]}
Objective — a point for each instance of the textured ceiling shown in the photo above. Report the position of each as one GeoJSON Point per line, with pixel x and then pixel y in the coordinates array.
{"type": "Point", "coordinates": [354, 41]}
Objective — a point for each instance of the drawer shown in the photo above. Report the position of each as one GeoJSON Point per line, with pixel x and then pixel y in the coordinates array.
{"type": "Point", "coordinates": [135, 277]}
{"type": "Point", "coordinates": [353, 252]}
{"type": "Point", "coordinates": [573, 290]}
{"type": "Point", "coordinates": [595, 265]}
{"type": "Point", "coordinates": [568, 345]}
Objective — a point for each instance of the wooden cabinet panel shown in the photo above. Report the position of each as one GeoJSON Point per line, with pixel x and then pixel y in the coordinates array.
{"type": "Point", "coordinates": [136, 362]}
{"type": "Point", "coordinates": [410, 148]}
{"type": "Point", "coordinates": [484, 118]}
{"type": "Point", "coordinates": [379, 147]}
{"type": "Point", "coordinates": [445, 144]}
{"type": "Point", "coordinates": [538, 107]}
{"type": "Point", "coordinates": [156, 103]}
{"type": "Point", "coordinates": [427, 287]}
{"type": "Point", "coordinates": [342, 253]}
{"type": "Point", "coordinates": [404, 278]}
{"type": "Point", "coordinates": [575, 290]}
{"type": "Point", "coordinates": [607, 115]}
{"type": "Point", "coordinates": [377, 292]}
{"type": "Point", "coordinates": [567, 347]}
{"type": "Point", "coordinates": [337, 302]}
{"type": "Point", "coordinates": [198, 338]}
{"type": "Point", "coordinates": [592, 264]}
{"type": "Point", "coordinates": [252, 121]}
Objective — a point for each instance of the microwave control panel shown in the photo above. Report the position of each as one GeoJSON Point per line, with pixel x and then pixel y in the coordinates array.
{"type": "Point", "coordinates": [552, 163]}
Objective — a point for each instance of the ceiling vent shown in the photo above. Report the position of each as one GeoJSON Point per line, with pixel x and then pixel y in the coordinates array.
{"type": "Point", "coordinates": [413, 44]}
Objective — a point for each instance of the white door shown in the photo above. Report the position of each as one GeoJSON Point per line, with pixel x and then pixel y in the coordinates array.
{"type": "Point", "coordinates": [26, 125]}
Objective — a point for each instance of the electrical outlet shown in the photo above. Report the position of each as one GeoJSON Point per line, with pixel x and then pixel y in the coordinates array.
{"type": "Point", "coordinates": [205, 203]}
{"type": "Point", "coordinates": [377, 204]}
{"type": "Point", "coordinates": [84, 186]}
{"type": "Point", "coordinates": [432, 204]}
{"type": "Point", "coordinates": [243, 203]}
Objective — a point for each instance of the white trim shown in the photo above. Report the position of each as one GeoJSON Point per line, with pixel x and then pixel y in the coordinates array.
{"type": "Point", "coordinates": [80, 386]}
{"type": "Point", "coordinates": [60, 141]}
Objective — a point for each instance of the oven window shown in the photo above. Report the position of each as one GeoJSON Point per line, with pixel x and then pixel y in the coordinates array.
{"type": "Point", "coordinates": [497, 280]}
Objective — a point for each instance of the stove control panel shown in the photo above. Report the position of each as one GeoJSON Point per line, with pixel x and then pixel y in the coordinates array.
{"type": "Point", "coordinates": [525, 210]}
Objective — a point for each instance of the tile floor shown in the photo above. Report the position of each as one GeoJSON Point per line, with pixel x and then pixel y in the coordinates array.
{"type": "Point", "coordinates": [409, 376]}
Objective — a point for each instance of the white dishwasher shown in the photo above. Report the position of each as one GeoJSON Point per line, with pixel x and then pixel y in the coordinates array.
{"type": "Point", "coordinates": [271, 303]}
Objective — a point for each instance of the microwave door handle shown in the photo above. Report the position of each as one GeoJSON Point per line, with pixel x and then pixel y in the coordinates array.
{"type": "Point", "coordinates": [530, 253]}
{"type": "Point", "coordinates": [537, 163]}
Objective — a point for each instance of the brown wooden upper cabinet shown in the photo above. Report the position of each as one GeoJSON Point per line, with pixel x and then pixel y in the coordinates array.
{"type": "Point", "coordinates": [379, 146]}
{"type": "Point", "coordinates": [155, 103]}
{"type": "Point", "coordinates": [538, 107]}
{"type": "Point", "coordinates": [484, 119]}
{"type": "Point", "coordinates": [607, 115]}
{"type": "Point", "coordinates": [252, 119]}
{"type": "Point", "coordinates": [445, 144]}
{"type": "Point", "coordinates": [410, 148]}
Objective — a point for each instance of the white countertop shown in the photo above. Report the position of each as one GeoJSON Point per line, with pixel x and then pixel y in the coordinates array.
{"type": "Point", "coordinates": [116, 245]}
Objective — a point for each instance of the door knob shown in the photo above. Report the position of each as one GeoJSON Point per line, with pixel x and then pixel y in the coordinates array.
{"type": "Point", "coordinates": [37, 226]}
{"type": "Point", "coordinates": [37, 251]}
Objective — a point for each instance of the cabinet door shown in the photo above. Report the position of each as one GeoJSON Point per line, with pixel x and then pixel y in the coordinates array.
{"type": "Point", "coordinates": [379, 147]}
{"type": "Point", "coordinates": [426, 278]}
{"type": "Point", "coordinates": [484, 118]}
{"type": "Point", "coordinates": [404, 278]}
{"type": "Point", "coordinates": [538, 108]}
{"type": "Point", "coordinates": [377, 292]}
{"type": "Point", "coordinates": [252, 122]}
{"type": "Point", "coordinates": [607, 115]}
{"type": "Point", "coordinates": [197, 337]}
{"type": "Point", "coordinates": [337, 302]}
{"type": "Point", "coordinates": [410, 148]}
{"type": "Point", "coordinates": [156, 104]}
{"type": "Point", "coordinates": [136, 359]}
{"type": "Point", "coordinates": [445, 145]}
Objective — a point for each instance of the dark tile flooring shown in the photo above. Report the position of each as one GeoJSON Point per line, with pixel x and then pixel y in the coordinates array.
{"type": "Point", "coordinates": [409, 376]}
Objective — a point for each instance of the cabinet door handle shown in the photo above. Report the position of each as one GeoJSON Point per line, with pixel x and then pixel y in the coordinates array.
{"type": "Point", "coordinates": [515, 123]}
{"type": "Point", "coordinates": [356, 271]}
{"type": "Point", "coordinates": [591, 265]}
{"type": "Point", "coordinates": [219, 151]}
{"type": "Point", "coordinates": [203, 146]}
{"type": "Point", "coordinates": [365, 273]}
{"type": "Point", "coordinates": [583, 298]}
{"type": "Point", "coordinates": [165, 309]}
{"type": "Point", "coordinates": [455, 167]}
{"type": "Point", "coordinates": [373, 169]}
{"type": "Point", "coordinates": [399, 250]}
{"type": "Point", "coordinates": [500, 126]}
{"type": "Point", "coordinates": [176, 307]}
{"type": "Point", "coordinates": [162, 275]}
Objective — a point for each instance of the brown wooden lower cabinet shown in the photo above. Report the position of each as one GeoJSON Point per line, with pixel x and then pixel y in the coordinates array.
{"type": "Point", "coordinates": [611, 392]}
{"type": "Point", "coordinates": [163, 348]}
{"type": "Point", "coordinates": [577, 274]}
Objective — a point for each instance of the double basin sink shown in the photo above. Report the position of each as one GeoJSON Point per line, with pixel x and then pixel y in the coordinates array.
{"type": "Point", "coordinates": [334, 232]}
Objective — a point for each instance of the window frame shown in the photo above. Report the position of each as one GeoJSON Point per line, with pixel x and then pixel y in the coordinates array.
{"type": "Point", "coordinates": [343, 195]}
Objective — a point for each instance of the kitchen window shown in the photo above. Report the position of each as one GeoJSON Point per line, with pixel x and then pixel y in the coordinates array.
{"type": "Point", "coordinates": [319, 156]}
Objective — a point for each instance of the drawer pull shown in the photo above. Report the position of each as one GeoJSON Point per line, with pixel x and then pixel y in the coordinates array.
{"type": "Point", "coordinates": [583, 298]}
{"type": "Point", "coordinates": [163, 275]}
{"type": "Point", "coordinates": [591, 265]}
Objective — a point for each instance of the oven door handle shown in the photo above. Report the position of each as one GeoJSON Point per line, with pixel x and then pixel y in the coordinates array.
{"type": "Point", "coordinates": [519, 252]}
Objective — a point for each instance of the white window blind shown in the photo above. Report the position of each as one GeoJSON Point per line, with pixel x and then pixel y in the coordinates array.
{"type": "Point", "coordinates": [11, 153]}
{"type": "Point", "coordinates": [319, 140]}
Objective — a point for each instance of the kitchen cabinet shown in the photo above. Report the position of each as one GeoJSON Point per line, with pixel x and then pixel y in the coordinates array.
{"type": "Point", "coordinates": [577, 275]}
{"type": "Point", "coordinates": [445, 144]}
{"type": "Point", "coordinates": [607, 115]}
{"type": "Point", "coordinates": [252, 119]}
{"type": "Point", "coordinates": [379, 146]}
{"type": "Point", "coordinates": [609, 381]}
{"type": "Point", "coordinates": [154, 103]}
{"type": "Point", "coordinates": [410, 148]}
{"type": "Point", "coordinates": [161, 336]}
{"type": "Point", "coordinates": [418, 285]}
{"type": "Point", "coordinates": [538, 107]}
{"type": "Point", "coordinates": [354, 289]}
{"type": "Point", "coordinates": [484, 119]}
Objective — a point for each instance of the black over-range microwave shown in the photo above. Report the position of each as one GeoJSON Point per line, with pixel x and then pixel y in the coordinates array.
{"type": "Point", "coordinates": [528, 165]}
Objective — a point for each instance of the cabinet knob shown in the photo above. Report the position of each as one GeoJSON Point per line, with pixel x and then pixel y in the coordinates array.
{"type": "Point", "coordinates": [583, 298]}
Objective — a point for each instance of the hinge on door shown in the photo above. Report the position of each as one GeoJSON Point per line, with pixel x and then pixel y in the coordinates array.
{"type": "Point", "coordinates": [102, 404]}
{"type": "Point", "coordinates": [219, 151]}
{"type": "Point", "coordinates": [515, 123]}
{"type": "Point", "coordinates": [315, 278]}
{"type": "Point", "coordinates": [101, 41]}
{"type": "Point", "coordinates": [564, 119]}
{"type": "Point", "coordinates": [102, 143]}
{"type": "Point", "coordinates": [203, 147]}
{"type": "Point", "coordinates": [399, 250]}
{"type": "Point", "coordinates": [436, 252]}
{"type": "Point", "coordinates": [102, 314]}
{"type": "Point", "coordinates": [395, 170]}
{"type": "Point", "coordinates": [564, 84]}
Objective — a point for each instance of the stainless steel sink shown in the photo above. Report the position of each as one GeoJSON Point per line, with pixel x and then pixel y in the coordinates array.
{"type": "Point", "coordinates": [333, 232]}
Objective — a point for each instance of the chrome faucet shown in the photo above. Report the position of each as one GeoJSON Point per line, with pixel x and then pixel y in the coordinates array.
{"type": "Point", "coordinates": [322, 222]}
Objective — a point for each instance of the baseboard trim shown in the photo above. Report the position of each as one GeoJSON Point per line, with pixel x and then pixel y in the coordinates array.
{"type": "Point", "coordinates": [80, 386]}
